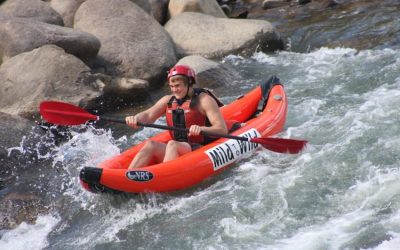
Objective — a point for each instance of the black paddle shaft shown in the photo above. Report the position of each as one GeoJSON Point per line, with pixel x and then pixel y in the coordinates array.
{"type": "Point", "coordinates": [151, 125]}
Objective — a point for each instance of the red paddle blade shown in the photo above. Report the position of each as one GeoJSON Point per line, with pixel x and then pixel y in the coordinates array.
{"type": "Point", "coordinates": [281, 145]}
{"type": "Point", "coordinates": [62, 113]}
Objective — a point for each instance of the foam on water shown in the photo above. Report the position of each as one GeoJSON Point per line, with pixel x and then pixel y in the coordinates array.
{"type": "Point", "coordinates": [83, 150]}
{"type": "Point", "coordinates": [27, 236]}
{"type": "Point", "coordinates": [347, 103]}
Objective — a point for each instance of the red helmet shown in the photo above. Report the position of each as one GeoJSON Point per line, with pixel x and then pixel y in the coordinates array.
{"type": "Point", "coordinates": [182, 70]}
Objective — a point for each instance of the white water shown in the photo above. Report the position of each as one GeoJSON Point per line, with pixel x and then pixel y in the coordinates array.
{"type": "Point", "coordinates": [342, 192]}
{"type": "Point", "coordinates": [27, 236]}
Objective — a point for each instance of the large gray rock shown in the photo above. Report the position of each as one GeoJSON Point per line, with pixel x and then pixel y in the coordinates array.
{"type": "Point", "coordinates": [19, 35]}
{"type": "Point", "coordinates": [210, 74]}
{"type": "Point", "coordinates": [208, 7]}
{"type": "Point", "coordinates": [22, 144]}
{"type": "Point", "coordinates": [211, 37]}
{"type": "Point", "coordinates": [133, 44]}
{"type": "Point", "coordinates": [20, 207]}
{"type": "Point", "coordinates": [144, 4]}
{"type": "Point", "coordinates": [23, 150]}
{"type": "Point", "coordinates": [17, 145]}
{"type": "Point", "coordinates": [66, 9]}
{"type": "Point", "coordinates": [44, 73]}
{"type": "Point", "coordinates": [118, 92]}
{"type": "Point", "coordinates": [34, 9]}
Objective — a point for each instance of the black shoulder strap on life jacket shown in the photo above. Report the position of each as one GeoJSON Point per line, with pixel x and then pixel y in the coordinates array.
{"type": "Point", "coordinates": [179, 101]}
{"type": "Point", "coordinates": [171, 100]}
{"type": "Point", "coordinates": [198, 91]}
{"type": "Point", "coordinates": [195, 98]}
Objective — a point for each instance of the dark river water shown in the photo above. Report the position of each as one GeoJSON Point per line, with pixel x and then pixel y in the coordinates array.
{"type": "Point", "coordinates": [342, 77]}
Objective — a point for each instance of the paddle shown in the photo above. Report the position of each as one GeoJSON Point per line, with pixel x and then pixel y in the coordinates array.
{"type": "Point", "coordinates": [61, 113]}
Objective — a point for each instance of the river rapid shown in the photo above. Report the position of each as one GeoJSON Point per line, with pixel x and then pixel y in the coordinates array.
{"type": "Point", "coordinates": [341, 192]}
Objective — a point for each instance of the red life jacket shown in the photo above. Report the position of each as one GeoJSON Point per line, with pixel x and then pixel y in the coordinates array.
{"type": "Point", "coordinates": [185, 113]}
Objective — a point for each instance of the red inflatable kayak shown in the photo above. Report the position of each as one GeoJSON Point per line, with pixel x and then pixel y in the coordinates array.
{"type": "Point", "coordinates": [262, 113]}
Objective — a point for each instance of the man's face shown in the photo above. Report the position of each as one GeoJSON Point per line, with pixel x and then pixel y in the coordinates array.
{"type": "Point", "coordinates": [178, 86]}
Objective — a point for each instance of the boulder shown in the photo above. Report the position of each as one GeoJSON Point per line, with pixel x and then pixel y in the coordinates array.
{"type": "Point", "coordinates": [133, 44]}
{"type": "Point", "coordinates": [211, 37]}
{"type": "Point", "coordinates": [19, 35]}
{"type": "Point", "coordinates": [19, 146]}
{"type": "Point", "coordinates": [23, 150]}
{"type": "Point", "coordinates": [20, 207]}
{"type": "Point", "coordinates": [208, 7]}
{"type": "Point", "coordinates": [34, 9]}
{"type": "Point", "coordinates": [159, 8]}
{"type": "Point", "coordinates": [14, 129]}
{"type": "Point", "coordinates": [118, 93]}
{"type": "Point", "coordinates": [44, 73]}
{"type": "Point", "coordinates": [210, 74]}
{"type": "Point", "coordinates": [144, 4]}
{"type": "Point", "coordinates": [66, 9]}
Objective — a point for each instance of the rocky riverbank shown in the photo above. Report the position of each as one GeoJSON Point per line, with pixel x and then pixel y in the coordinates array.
{"type": "Point", "coordinates": [94, 52]}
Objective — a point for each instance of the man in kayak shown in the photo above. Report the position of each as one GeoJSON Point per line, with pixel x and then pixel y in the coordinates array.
{"type": "Point", "coordinates": [187, 107]}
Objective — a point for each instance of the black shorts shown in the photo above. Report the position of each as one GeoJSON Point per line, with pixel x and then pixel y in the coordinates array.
{"type": "Point", "coordinates": [195, 146]}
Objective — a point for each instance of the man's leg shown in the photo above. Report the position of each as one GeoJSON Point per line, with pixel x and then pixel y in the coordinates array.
{"type": "Point", "coordinates": [150, 149]}
{"type": "Point", "coordinates": [175, 149]}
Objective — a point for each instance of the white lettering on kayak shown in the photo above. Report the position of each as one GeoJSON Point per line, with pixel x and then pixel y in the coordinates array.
{"type": "Point", "coordinates": [231, 150]}
{"type": "Point", "coordinates": [137, 175]}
